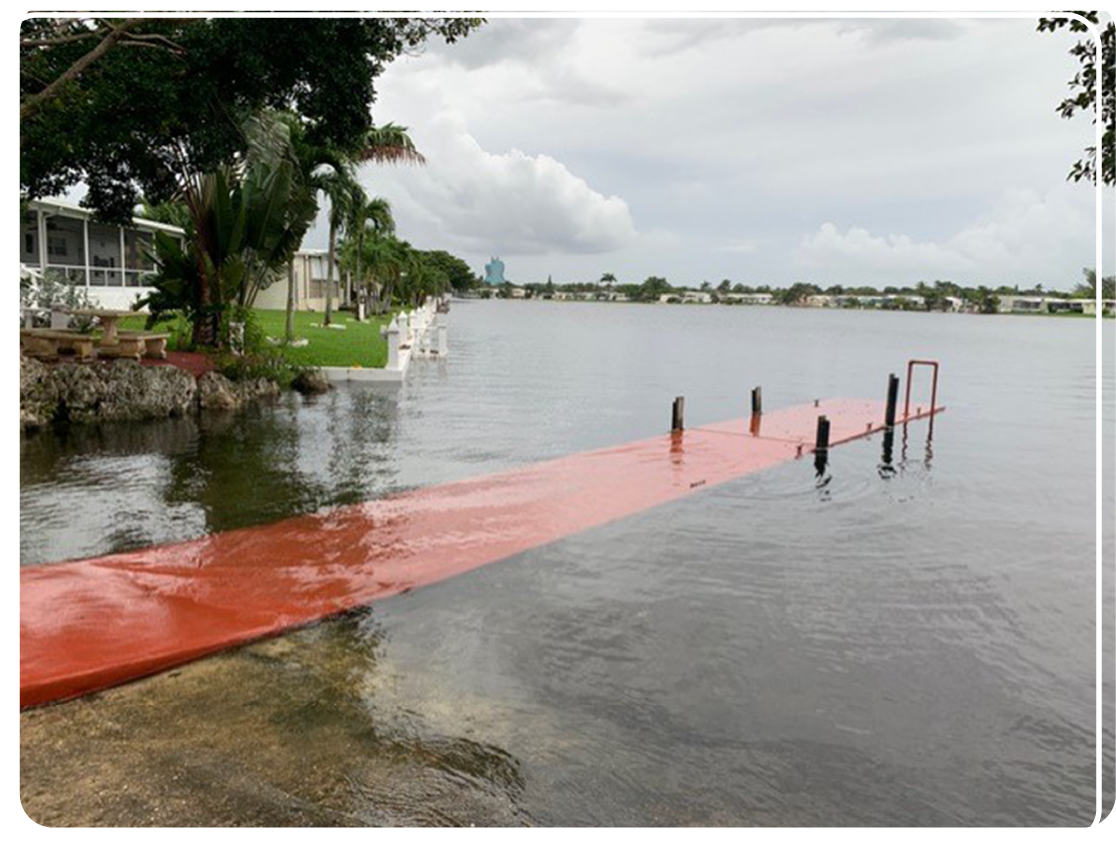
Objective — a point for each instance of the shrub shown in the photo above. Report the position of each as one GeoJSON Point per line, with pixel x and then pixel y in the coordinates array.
{"type": "Point", "coordinates": [53, 291]}
{"type": "Point", "coordinates": [270, 364]}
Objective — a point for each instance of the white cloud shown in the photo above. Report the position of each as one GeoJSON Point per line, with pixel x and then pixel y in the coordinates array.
{"type": "Point", "coordinates": [1024, 237]}
{"type": "Point", "coordinates": [507, 203]}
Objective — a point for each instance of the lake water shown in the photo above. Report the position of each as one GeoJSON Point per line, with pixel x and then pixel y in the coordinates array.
{"type": "Point", "coordinates": [909, 644]}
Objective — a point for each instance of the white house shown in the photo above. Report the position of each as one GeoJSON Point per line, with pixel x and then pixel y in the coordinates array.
{"type": "Point", "coordinates": [746, 298]}
{"type": "Point", "coordinates": [311, 278]}
{"type": "Point", "coordinates": [1014, 304]}
{"type": "Point", "coordinates": [112, 262]}
{"type": "Point", "coordinates": [822, 300]}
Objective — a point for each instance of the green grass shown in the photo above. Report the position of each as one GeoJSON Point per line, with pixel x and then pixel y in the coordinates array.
{"type": "Point", "coordinates": [177, 327]}
{"type": "Point", "coordinates": [359, 345]}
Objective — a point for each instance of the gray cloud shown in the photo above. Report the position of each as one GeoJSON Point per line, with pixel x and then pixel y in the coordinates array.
{"type": "Point", "coordinates": [910, 138]}
{"type": "Point", "coordinates": [511, 203]}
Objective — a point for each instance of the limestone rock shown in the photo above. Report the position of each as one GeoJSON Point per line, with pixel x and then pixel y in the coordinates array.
{"type": "Point", "coordinates": [311, 382]}
{"type": "Point", "coordinates": [253, 390]}
{"type": "Point", "coordinates": [125, 391]}
{"type": "Point", "coordinates": [37, 396]}
{"type": "Point", "coordinates": [122, 390]}
{"type": "Point", "coordinates": [218, 393]}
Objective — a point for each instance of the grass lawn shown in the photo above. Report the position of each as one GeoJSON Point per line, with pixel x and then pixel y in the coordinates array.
{"type": "Point", "coordinates": [357, 345]}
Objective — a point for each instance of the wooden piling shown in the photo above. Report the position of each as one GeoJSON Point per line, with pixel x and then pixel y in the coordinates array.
{"type": "Point", "coordinates": [821, 439]}
{"type": "Point", "coordinates": [892, 400]}
{"type": "Point", "coordinates": [677, 413]}
{"type": "Point", "coordinates": [757, 401]}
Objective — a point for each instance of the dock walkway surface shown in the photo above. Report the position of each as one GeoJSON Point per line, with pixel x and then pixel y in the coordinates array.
{"type": "Point", "coordinates": [90, 624]}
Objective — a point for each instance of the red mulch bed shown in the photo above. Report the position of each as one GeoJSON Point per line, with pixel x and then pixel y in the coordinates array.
{"type": "Point", "coordinates": [195, 363]}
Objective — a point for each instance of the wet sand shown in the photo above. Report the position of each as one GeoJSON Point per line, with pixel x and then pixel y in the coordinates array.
{"type": "Point", "coordinates": [277, 733]}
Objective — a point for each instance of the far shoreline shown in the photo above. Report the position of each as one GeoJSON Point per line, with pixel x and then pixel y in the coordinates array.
{"type": "Point", "coordinates": [1107, 314]}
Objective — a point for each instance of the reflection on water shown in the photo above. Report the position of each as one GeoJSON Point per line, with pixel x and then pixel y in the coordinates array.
{"type": "Point", "coordinates": [887, 466]}
{"type": "Point", "coordinates": [901, 645]}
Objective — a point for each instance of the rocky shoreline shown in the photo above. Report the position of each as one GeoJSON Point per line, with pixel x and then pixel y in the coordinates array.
{"type": "Point", "coordinates": [124, 391]}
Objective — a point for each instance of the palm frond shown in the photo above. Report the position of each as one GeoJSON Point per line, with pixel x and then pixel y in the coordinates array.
{"type": "Point", "coordinates": [390, 144]}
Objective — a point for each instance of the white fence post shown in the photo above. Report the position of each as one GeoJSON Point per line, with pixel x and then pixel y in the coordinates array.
{"type": "Point", "coordinates": [404, 329]}
{"type": "Point", "coordinates": [392, 335]}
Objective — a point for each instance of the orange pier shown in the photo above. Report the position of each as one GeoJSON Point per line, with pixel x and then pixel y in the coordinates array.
{"type": "Point", "coordinates": [90, 624]}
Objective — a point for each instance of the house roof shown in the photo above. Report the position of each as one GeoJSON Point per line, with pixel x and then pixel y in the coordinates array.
{"type": "Point", "coordinates": [74, 210]}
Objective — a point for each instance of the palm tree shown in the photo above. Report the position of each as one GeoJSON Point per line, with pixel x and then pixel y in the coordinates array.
{"type": "Point", "coordinates": [387, 144]}
{"type": "Point", "coordinates": [291, 301]}
{"type": "Point", "coordinates": [341, 187]}
{"type": "Point", "coordinates": [608, 279]}
{"type": "Point", "coordinates": [372, 214]}
{"type": "Point", "coordinates": [391, 258]}
{"type": "Point", "coordinates": [316, 165]}
{"type": "Point", "coordinates": [245, 225]}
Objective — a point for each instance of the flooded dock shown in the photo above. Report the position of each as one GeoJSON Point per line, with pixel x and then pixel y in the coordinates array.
{"type": "Point", "coordinates": [89, 624]}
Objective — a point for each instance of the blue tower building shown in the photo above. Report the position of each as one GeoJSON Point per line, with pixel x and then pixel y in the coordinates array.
{"type": "Point", "coordinates": [494, 272]}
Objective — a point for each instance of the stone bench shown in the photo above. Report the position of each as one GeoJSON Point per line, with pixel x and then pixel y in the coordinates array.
{"type": "Point", "coordinates": [125, 347]}
{"type": "Point", "coordinates": [154, 343]}
{"type": "Point", "coordinates": [46, 344]}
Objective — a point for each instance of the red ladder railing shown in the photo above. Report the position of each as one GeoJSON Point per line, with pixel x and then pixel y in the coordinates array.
{"type": "Point", "coordinates": [933, 390]}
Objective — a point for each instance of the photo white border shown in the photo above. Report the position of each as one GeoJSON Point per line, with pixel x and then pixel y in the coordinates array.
{"type": "Point", "coordinates": [30, 831]}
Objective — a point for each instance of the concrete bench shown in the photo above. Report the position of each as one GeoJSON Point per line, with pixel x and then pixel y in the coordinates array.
{"type": "Point", "coordinates": [154, 343]}
{"type": "Point", "coordinates": [124, 347]}
{"type": "Point", "coordinates": [46, 344]}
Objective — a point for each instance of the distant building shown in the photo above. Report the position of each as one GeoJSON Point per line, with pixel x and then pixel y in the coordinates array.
{"type": "Point", "coordinates": [821, 300]}
{"type": "Point", "coordinates": [1048, 305]}
{"type": "Point", "coordinates": [687, 296]}
{"type": "Point", "coordinates": [746, 298]}
{"type": "Point", "coordinates": [494, 272]}
{"type": "Point", "coordinates": [311, 278]}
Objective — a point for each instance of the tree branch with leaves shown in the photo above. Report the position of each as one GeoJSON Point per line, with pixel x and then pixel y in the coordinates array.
{"type": "Point", "coordinates": [1084, 92]}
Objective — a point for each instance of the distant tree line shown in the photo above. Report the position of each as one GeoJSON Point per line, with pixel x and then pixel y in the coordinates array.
{"type": "Point", "coordinates": [924, 296]}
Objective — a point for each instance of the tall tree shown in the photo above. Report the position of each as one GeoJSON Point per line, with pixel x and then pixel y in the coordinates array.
{"type": "Point", "coordinates": [391, 258]}
{"type": "Point", "coordinates": [1089, 287]}
{"type": "Point", "coordinates": [387, 144]}
{"type": "Point", "coordinates": [131, 106]}
{"type": "Point", "coordinates": [373, 214]}
{"type": "Point", "coordinates": [292, 302]}
{"type": "Point", "coordinates": [340, 186]}
{"type": "Point", "coordinates": [454, 269]}
{"type": "Point", "coordinates": [653, 287]}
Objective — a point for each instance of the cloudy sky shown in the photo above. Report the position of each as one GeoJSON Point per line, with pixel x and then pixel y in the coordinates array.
{"type": "Point", "coordinates": [762, 151]}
